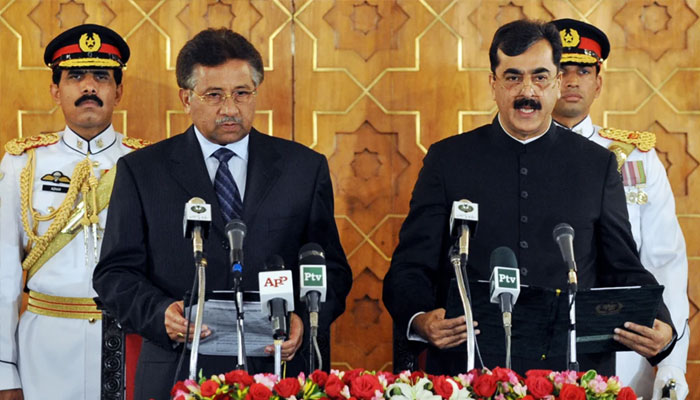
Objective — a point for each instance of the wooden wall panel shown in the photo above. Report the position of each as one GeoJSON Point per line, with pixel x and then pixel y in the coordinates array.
{"type": "Point", "coordinates": [371, 84]}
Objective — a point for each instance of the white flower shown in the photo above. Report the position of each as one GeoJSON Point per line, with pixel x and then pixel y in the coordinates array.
{"type": "Point", "coordinates": [457, 393]}
{"type": "Point", "coordinates": [520, 390]}
{"type": "Point", "coordinates": [412, 392]}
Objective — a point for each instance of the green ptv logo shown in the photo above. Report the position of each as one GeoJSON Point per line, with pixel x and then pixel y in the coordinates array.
{"type": "Point", "coordinates": [508, 278]}
{"type": "Point", "coordinates": [313, 276]}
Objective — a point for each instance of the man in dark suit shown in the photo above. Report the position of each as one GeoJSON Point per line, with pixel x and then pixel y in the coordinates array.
{"type": "Point", "coordinates": [527, 175]}
{"type": "Point", "coordinates": [280, 189]}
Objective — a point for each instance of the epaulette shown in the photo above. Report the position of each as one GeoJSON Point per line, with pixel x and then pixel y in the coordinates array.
{"type": "Point", "coordinates": [644, 141]}
{"type": "Point", "coordinates": [135, 143]}
{"type": "Point", "coordinates": [18, 146]}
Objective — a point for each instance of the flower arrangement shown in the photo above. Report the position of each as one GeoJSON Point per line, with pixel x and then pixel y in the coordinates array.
{"type": "Point", "coordinates": [359, 384]}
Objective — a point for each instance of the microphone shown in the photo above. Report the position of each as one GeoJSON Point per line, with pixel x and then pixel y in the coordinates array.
{"type": "Point", "coordinates": [505, 288]}
{"type": "Point", "coordinates": [276, 294]}
{"type": "Point", "coordinates": [312, 290]}
{"type": "Point", "coordinates": [235, 232]}
{"type": "Point", "coordinates": [505, 281]}
{"type": "Point", "coordinates": [564, 236]}
{"type": "Point", "coordinates": [312, 270]}
{"type": "Point", "coordinates": [463, 220]}
{"type": "Point", "coordinates": [195, 225]}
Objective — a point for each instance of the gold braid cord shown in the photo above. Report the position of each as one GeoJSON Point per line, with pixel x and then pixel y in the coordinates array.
{"type": "Point", "coordinates": [102, 195]}
{"type": "Point", "coordinates": [81, 176]}
{"type": "Point", "coordinates": [18, 146]}
{"type": "Point", "coordinates": [644, 141]}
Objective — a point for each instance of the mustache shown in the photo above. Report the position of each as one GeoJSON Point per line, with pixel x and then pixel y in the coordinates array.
{"type": "Point", "coordinates": [89, 97]}
{"type": "Point", "coordinates": [527, 102]}
{"type": "Point", "coordinates": [225, 120]}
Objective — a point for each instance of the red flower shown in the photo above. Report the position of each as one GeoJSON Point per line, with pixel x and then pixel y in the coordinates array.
{"type": "Point", "coordinates": [538, 372]}
{"type": "Point", "coordinates": [442, 387]}
{"type": "Point", "coordinates": [208, 388]}
{"type": "Point", "coordinates": [287, 387]}
{"type": "Point", "coordinates": [223, 396]}
{"type": "Point", "coordinates": [319, 377]}
{"type": "Point", "coordinates": [501, 374]}
{"type": "Point", "coordinates": [258, 391]}
{"type": "Point", "coordinates": [364, 386]}
{"type": "Point", "coordinates": [180, 385]}
{"type": "Point", "coordinates": [485, 385]}
{"type": "Point", "coordinates": [240, 377]}
{"type": "Point", "coordinates": [626, 393]}
{"type": "Point", "coordinates": [572, 392]}
{"type": "Point", "coordinates": [416, 375]}
{"type": "Point", "coordinates": [528, 397]}
{"type": "Point", "coordinates": [333, 387]}
{"type": "Point", "coordinates": [350, 375]}
{"type": "Point", "coordinates": [539, 386]}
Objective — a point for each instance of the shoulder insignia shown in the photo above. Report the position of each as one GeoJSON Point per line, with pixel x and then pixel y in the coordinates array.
{"type": "Point", "coordinates": [644, 141]}
{"type": "Point", "coordinates": [18, 146]}
{"type": "Point", "coordinates": [135, 143]}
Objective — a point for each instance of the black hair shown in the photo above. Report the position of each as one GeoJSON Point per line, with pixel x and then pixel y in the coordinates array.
{"type": "Point", "coordinates": [212, 47]}
{"type": "Point", "coordinates": [56, 74]}
{"type": "Point", "coordinates": [516, 37]}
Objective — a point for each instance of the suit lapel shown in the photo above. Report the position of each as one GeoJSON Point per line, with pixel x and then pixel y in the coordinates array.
{"type": "Point", "coordinates": [264, 170]}
{"type": "Point", "coordinates": [189, 171]}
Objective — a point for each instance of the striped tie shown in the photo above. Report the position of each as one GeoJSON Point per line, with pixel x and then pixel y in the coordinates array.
{"type": "Point", "coordinates": [226, 190]}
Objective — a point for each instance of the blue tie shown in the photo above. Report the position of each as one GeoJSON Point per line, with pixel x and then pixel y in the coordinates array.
{"type": "Point", "coordinates": [226, 190]}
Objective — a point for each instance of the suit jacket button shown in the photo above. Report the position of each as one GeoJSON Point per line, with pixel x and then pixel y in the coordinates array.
{"type": "Point", "coordinates": [224, 244]}
{"type": "Point", "coordinates": [523, 244]}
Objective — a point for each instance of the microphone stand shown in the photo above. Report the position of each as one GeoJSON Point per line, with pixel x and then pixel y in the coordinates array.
{"type": "Point", "coordinates": [278, 358]}
{"type": "Point", "coordinates": [241, 354]}
{"type": "Point", "coordinates": [312, 300]}
{"type": "Point", "coordinates": [571, 348]}
{"type": "Point", "coordinates": [194, 353]}
{"type": "Point", "coordinates": [461, 274]}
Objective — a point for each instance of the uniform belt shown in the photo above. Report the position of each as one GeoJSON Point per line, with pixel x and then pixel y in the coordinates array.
{"type": "Point", "coordinates": [63, 307]}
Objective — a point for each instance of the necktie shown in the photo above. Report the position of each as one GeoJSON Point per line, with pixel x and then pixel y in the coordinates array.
{"type": "Point", "coordinates": [225, 187]}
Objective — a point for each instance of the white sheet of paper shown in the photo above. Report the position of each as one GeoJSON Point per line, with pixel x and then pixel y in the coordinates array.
{"type": "Point", "coordinates": [220, 316]}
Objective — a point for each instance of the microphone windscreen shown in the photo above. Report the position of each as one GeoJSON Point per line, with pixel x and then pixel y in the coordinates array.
{"type": "Point", "coordinates": [503, 257]}
{"type": "Point", "coordinates": [236, 225]}
{"type": "Point", "coordinates": [274, 263]}
{"type": "Point", "coordinates": [312, 253]}
{"type": "Point", "coordinates": [562, 229]}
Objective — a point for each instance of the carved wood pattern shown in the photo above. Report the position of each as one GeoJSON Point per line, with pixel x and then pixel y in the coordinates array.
{"type": "Point", "coordinates": [371, 84]}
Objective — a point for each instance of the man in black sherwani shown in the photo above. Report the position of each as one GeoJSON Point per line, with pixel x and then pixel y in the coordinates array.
{"type": "Point", "coordinates": [527, 175]}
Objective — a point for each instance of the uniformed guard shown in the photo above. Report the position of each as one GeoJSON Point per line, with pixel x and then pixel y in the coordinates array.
{"type": "Point", "coordinates": [650, 202]}
{"type": "Point", "coordinates": [54, 191]}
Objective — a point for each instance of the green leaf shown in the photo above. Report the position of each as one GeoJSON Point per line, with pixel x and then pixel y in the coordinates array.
{"type": "Point", "coordinates": [588, 376]}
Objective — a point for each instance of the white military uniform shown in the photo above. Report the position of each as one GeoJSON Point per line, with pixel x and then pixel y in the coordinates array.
{"type": "Point", "coordinates": [661, 246]}
{"type": "Point", "coordinates": [51, 357]}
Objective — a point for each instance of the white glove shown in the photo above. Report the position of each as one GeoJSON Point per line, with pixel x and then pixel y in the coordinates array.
{"type": "Point", "coordinates": [666, 372]}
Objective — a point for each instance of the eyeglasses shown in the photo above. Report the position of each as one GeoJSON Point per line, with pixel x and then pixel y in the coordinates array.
{"type": "Point", "coordinates": [516, 82]}
{"type": "Point", "coordinates": [218, 97]}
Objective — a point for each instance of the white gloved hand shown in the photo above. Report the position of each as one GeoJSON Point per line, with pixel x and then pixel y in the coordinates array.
{"type": "Point", "coordinates": [663, 375]}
